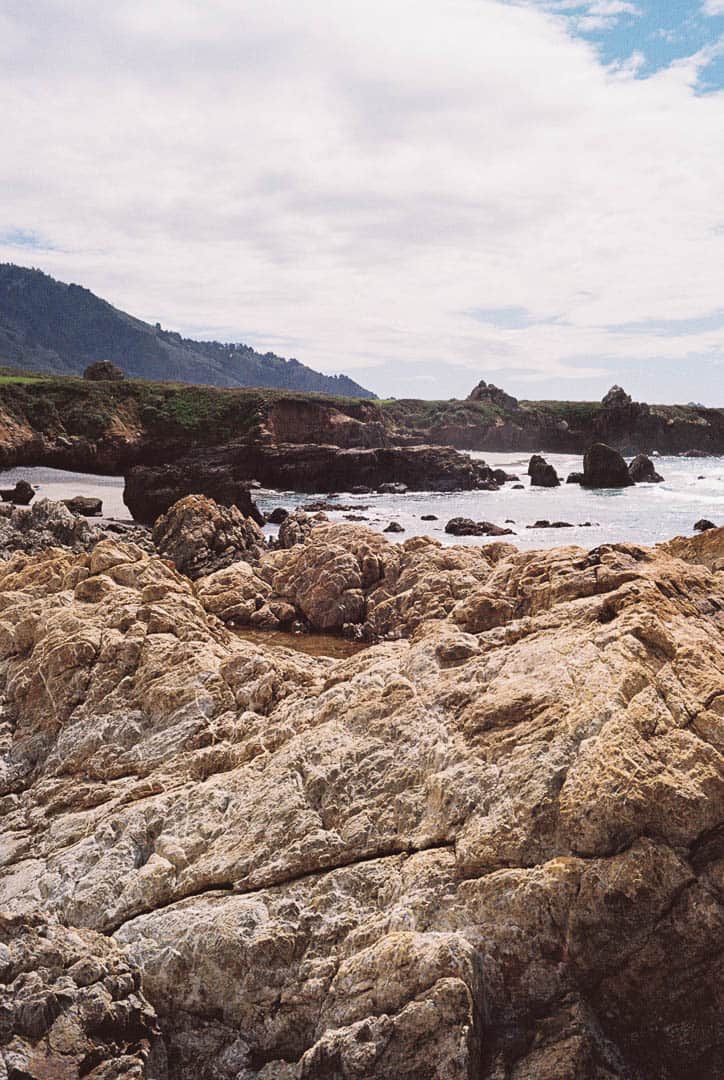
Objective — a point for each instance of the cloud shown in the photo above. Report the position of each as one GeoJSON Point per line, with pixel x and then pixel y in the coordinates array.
{"type": "Point", "coordinates": [713, 7]}
{"type": "Point", "coordinates": [347, 183]}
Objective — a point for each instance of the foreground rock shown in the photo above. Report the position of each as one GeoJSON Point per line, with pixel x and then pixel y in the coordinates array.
{"type": "Point", "coordinates": [199, 536]}
{"type": "Point", "coordinates": [84, 505]}
{"type": "Point", "coordinates": [487, 851]}
{"type": "Point", "coordinates": [51, 524]}
{"type": "Point", "coordinates": [642, 471]}
{"type": "Point", "coordinates": [603, 467]}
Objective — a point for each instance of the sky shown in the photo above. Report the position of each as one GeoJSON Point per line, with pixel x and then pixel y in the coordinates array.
{"type": "Point", "coordinates": [419, 193]}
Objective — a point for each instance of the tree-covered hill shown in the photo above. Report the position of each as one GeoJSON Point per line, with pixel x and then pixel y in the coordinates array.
{"type": "Point", "coordinates": [46, 325]}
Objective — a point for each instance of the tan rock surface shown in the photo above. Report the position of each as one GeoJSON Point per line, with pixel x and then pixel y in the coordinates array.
{"type": "Point", "coordinates": [487, 852]}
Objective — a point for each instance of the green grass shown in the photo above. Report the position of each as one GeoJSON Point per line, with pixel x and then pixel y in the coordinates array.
{"type": "Point", "coordinates": [6, 380]}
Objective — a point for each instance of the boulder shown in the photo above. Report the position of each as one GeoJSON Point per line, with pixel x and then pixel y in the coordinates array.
{"type": "Point", "coordinates": [616, 398]}
{"type": "Point", "coordinates": [574, 478]}
{"type": "Point", "coordinates": [461, 526]}
{"type": "Point", "coordinates": [703, 524]}
{"type": "Point", "coordinates": [150, 491]}
{"type": "Point", "coordinates": [84, 506]}
{"type": "Point", "coordinates": [277, 516]}
{"type": "Point", "coordinates": [296, 528]}
{"type": "Point", "coordinates": [428, 517]}
{"type": "Point", "coordinates": [393, 527]}
{"type": "Point", "coordinates": [199, 536]}
{"type": "Point", "coordinates": [545, 524]}
{"type": "Point", "coordinates": [541, 473]}
{"type": "Point", "coordinates": [642, 471]}
{"type": "Point", "coordinates": [21, 495]}
{"type": "Point", "coordinates": [603, 467]}
{"type": "Point", "coordinates": [392, 489]}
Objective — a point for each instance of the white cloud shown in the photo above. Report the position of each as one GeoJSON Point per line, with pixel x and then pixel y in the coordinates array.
{"type": "Point", "coordinates": [344, 182]}
{"type": "Point", "coordinates": [713, 7]}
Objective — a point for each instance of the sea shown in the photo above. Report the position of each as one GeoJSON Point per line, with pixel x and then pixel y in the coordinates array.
{"type": "Point", "coordinates": [693, 488]}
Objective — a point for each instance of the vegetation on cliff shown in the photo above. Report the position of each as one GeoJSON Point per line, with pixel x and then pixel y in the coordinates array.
{"type": "Point", "coordinates": [46, 325]}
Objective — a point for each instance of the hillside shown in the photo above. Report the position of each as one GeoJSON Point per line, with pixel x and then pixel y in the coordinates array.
{"type": "Point", "coordinates": [46, 325]}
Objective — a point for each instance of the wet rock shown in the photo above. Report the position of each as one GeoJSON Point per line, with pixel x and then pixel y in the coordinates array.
{"type": "Point", "coordinates": [703, 524]}
{"type": "Point", "coordinates": [519, 487]}
{"type": "Point", "coordinates": [574, 478]}
{"type": "Point", "coordinates": [541, 473]}
{"type": "Point", "coordinates": [21, 495]}
{"type": "Point", "coordinates": [642, 471]}
{"type": "Point", "coordinates": [199, 536]}
{"type": "Point", "coordinates": [360, 489]}
{"type": "Point", "coordinates": [603, 467]}
{"type": "Point", "coordinates": [428, 517]}
{"type": "Point", "coordinates": [502, 477]}
{"type": "Point", "coordinates": [544, 524]}
{"type": "Point", "coordinates": [392, 489]}
{"type": "Point", "coordinates": [393, 527]}
{"type": "Point", "coordinates": [277, 516]}
{"type": "Point", "coordinates": [84, 505]}
{"type": "Point", "coordinates": [460, 526]}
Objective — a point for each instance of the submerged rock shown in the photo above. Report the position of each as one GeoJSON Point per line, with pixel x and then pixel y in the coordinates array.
{"type": "Point", "coordinates": [393, 527]}
{"type": "Point", "coordinates": [461, 526]}
{"type": "Point", "coordinates": [277, 515]}
{"type": "Point", "coordinates": [603, 467]}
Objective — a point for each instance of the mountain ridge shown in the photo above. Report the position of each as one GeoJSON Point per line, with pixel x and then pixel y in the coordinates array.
{"type": "Point", "coordinates": [48, 325]}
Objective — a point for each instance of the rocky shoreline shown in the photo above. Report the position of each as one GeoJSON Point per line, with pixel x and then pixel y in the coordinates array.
{"type": "Point", "coordinates": [486, 847]}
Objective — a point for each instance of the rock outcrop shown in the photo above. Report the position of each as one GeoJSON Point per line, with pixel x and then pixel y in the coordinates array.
{"type": "Point", "coordinates": [603, 467]}
{"type": "Point", "coordinates": [486, 851]}
{"type": "Point", "coordinates": [493, 395]}
{"type": "Point", "coordinates": [21, 495]}
{"type": "Point", "coordinates": [51, 524]}
{"type": "Point", "coordinates": [460, 526]}
{"type": "Point", "coordinates": [642, 471]}
{"type": "Point", "coordinates": [199, 536]}
{"type": "Point", "coordinates": [150, 491]}
{"type": "Point", "coordinates": [541, 473]}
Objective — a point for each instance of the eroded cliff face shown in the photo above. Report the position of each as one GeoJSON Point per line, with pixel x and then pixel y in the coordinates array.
{"type": "Point", "coordinates": [488, 850]}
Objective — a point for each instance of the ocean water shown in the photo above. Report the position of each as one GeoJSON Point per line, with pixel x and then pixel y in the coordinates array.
{"type": "Point", "coordinates": [693, 488]}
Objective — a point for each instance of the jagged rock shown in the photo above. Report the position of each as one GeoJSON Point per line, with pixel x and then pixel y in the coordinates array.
{"type": "Point", "coordinates": [541, 473]}
{"type": "Point", "coordinates": [703, 524]}
{"type": "Point", "coordinates": [84, 505]}
{"type": "Point", "coordinates": [486, 851]}
{"type": "Point", "coordinates": [199, 536]}
{"type": "Point", "coordinates": [603, 467]}
{"type": "Point", "coordinates": [487, 392]}
{"type": "Point", "coordinates": [616, 398]}
{"type": "Point", "coordinates": [393, 527]}
{"type": "Point", "coordinates": [460, 526]}
{"type": "Point", "coordinates": [277, 516]}
{"type": "Point", "coordinates": [296, 528]}
{"type": "Point", "coordinates": [642, 471]}
{"type": "Point", "coordinates": [21, 495]}
{"type": "Point", "coordinates": [104, 370]}
{"type": "Point", "coordinates": [71, 1005]}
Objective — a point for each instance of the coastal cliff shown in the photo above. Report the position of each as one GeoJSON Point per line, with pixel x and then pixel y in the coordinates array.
{"type": "Point", "coordinates": [110, 427]}
{"type": "Point", "coordinates": [485, 848]}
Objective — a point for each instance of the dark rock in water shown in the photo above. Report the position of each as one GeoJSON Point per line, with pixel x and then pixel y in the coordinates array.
{"type": "Point", "coordinates": [541, 473]}
{"type": "Point", "coordinates": [696, 453]}
{"type": "Point", "coordinates": [200, 537]}
{"type": "Point", "coordinates": [277, 516]}
{"type": "Point", "coordinates": [502, 477]}
{"type": "Point", "coordinates": [493, 395]}
{"type": "Point", "coordinates": [356, 517]}
{"type": "Point", "coordinates": [585, 524]}
{"type": "Point", "coordinates": [703, 524]}
{"type": "Point", "coordinates": [518, 487]}
{"type": "Point", "coordinates": [85, 506]}
{"type": "Point", "coordinates": [21, 495]}
{"type": "Point", "coordinates": [429, 517]}
{"type": "Point", "coordinates": [394, 527]}
{"type": "Point", "coordinates": [360, 489]}
{"type": "Point", "coordinates": [603, 467]}
{"type": "Point", "coordinates": [392, 489]}
{"type": "Point", "coordinates": [461, 526]}
{"type": "Point", "coordinates": [545, 524]}
{"type": "Point", "coordinates": [488, 485]}
{"type": "Point", "coordinates": [574, 478]}
{"type": "Point", "coordinates": [151, 490]}
{"type": "Point", "coordinates": [322, 505]}
{"type": "Point", "coordinates": [642, 471]}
